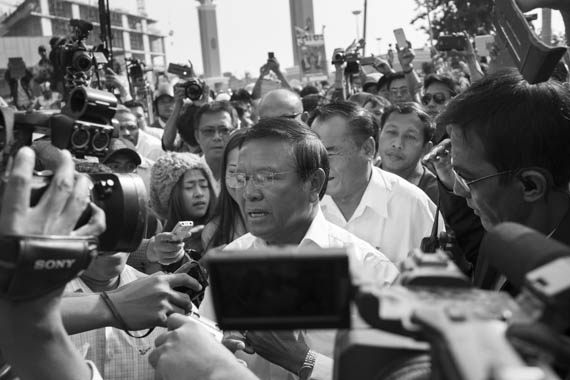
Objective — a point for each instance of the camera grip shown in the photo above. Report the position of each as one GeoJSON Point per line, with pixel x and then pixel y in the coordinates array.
{"type": "Point", "coordinates": [33, 266]}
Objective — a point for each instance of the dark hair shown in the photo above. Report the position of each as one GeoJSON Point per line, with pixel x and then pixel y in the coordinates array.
{"type": "Point", "coordinates": [241, 95]}
{"type": "Point", "coordinates": [445, 80]}
{"type": "Point", "coordinates": [215, 107]}
{"type": "Point", "coordinates": [240, 106]}
{"type": "Point", "coordinates": [392, 77]}
{"type": "Point", "coordinates": [176, 209]}
{"type": "Point", "coordinates": [411, 108]}
{"type": "Point", "coordinates": [519, 124]}
{"type": "Point", "coordinates": [308, 150]}
{"type": "Point", "coordinates": [227, 210]}
{"type": "Point", "coordinates": [309, 90]}
{"type": "Point", "coordinates": [384, 81]}
{"type": "Point", "coordinates": [362, 123]}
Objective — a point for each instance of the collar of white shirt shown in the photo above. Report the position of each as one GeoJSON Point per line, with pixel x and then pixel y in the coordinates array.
{"type": "Point", "coordinates": [375, 196]}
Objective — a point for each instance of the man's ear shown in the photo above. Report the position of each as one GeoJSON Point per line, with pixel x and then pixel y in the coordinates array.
{"type": "Point", "coordinates": [196, 136]}
{"type": "Point", "coordinates": [534, 185]}
{"type": "Point", "coordinates": [368, 147]}
{"type": "Point", "coordinates": [427, 148]}
{"type": "Point", "coordinates": [316, 183]}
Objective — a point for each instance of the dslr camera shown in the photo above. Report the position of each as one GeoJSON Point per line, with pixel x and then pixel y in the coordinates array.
{"type": "Point", "coordinates": [193, 87]}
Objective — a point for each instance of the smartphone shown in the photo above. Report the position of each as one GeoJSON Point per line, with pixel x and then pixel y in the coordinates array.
{"type": "Point", "coordinates": [401, 39]}
{"type": "Point", "coordinates": [270, 55]}
{"type": "Point", "coordinates": [182, 229]}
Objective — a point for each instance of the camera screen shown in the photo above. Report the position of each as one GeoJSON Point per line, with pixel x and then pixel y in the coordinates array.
{"type": "Point", "coordinates": [279, 289]}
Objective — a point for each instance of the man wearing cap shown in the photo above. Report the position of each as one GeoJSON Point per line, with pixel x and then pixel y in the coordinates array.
{"type": "Point", "coordinates": [163, 104]}
{"type": "Point", "coordinates": [123, 158]}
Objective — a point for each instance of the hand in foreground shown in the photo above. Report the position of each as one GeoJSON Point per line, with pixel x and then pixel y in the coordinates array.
{"type": "Point", "coordinates": [147, 302]}
{"type": "Point", "coordinates": [60, 206]}
{"type": "Point", "coordinates": [382, 66]}
{"type": "Point", "coordinates": [188, 349]}
{"type": "Point", "coordinates": [279, 347]}
{"type": "Point", "coordinates": [406, 57]}
{"type": "Point", "coordinates": [165, 248]}
{"type": "Point", "coordinates": [439, 160]}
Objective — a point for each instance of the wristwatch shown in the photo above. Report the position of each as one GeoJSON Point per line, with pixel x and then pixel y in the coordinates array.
{"type": "Point", "coordinates": [307, 368]}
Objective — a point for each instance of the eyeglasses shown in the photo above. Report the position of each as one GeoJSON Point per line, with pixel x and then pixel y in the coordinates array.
{"type": "Point", "coordinates": [438, 98]}
{"type": "Point", "coordinates": [211, 131]}
{"type": "Point", "coordinates": [129, 167]}
{"type": "Point", "coordinates": [465, 185]}
{"type": "Point", "coordinates": [130, 127]}
{"type": "Point", "coordinates": [260, 179]}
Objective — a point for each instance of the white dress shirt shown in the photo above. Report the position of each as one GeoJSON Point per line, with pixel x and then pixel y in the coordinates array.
{"type": "Point", "coordinates": [393, 215]}
{"type": "Point", "coordinates": [364, 261]}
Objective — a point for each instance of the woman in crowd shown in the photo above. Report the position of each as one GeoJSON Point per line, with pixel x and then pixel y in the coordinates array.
{"type": "Point", "coordinates": [181, 190]}
{"type": "Point", "coordinates": [228, 222]}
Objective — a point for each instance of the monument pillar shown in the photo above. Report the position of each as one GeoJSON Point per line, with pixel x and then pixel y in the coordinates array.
{"type": "Point", "coordinates": [209, 38]}
{"type": "Point", "coordinates": [301, 20]}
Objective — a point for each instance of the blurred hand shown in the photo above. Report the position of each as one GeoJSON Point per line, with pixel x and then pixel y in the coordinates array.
{"type": "Point", "coordinates": [382, 66]}
{"type": "Point", "coordinates": [439, 160]}
{"type": "Point", "coordinates": [179, 94]}
{"type": "Point", "coordinates": [235, 341]}
{"type": "Point", "coordinates": [147, 302]}
{"type": "Point", "coordinates": [406, 57]}
{"type": "Point", "coordinates": [165, 248]}
{"type": "Point", "coordinates": [188, 348]}
{"type": "Point", "coordinates": [264, 70]}
{"type": "Point", "coordinates": [279, 347]}
{"type": "Point", "coordinates": [115, 80]}
{"type": "Point", "coordinates": [273, 65]}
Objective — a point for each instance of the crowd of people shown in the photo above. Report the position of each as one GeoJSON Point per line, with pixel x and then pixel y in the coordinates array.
{"type": "Point", "coordinates": [377, 171]}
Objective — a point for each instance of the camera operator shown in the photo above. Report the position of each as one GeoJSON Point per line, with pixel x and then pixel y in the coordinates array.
{"type": "Point", "coordinates": [272, 64]}
{"type": "Point", "coordinates": [281, 176]}
{"type": "Point", "coordinates": [509, 159]}
{"type": "Point", "coordinates": [34, 340]}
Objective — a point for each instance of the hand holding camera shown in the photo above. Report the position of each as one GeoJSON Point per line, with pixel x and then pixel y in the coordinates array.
{"type": "Point", "coordinates": [439, 160]}
{"type": "Point", "coordinates": [279, 347]}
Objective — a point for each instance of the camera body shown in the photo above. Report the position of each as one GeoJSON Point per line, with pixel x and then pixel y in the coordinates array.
{"type": "Point", "coordinates": [451, 42]}
{"type": "Point", "coordinates": [193, 89]}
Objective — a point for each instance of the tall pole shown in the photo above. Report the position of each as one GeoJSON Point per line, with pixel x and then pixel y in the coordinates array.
{"type": "Point", "coordinates": [364, 31]}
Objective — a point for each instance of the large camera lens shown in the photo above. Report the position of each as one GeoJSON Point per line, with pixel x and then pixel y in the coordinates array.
{"type": "Point", "coordinates": [81, 61]}
{"type": "Point", "coordinates": [193, 90]}
{"type": "Point", "coordinates": [123, 199]}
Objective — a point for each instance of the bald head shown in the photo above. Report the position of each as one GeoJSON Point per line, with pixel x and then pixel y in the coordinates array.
{"type": "Point", "coordinates": [280, 103]}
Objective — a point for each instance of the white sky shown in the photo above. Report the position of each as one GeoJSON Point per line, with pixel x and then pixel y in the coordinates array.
{"type": "Point", "coordinates": [248, 29]}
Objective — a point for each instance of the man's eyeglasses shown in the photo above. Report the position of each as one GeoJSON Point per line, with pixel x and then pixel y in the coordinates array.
{"type": "Point", "coordinates": [116, 167]}
{"type": "Point", "coordinates": [129, 127]}
{"type": "Point", "coordinates": [465, 185]}
{"type": "Point", "coordinates": [262, 178]}
{"type": "Point", "coordinates": [399, 91]}
{"type": "Point", "coordinates": [438, 98]}
{"type": "Point", "coordinates": [211, 131]}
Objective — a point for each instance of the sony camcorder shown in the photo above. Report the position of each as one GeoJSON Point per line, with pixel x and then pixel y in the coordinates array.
{"type": "Point", "coordinates": [431, 324]}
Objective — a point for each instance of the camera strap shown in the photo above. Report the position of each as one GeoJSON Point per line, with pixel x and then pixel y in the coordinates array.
{"type": "Point", "coordinates": [33, 266]}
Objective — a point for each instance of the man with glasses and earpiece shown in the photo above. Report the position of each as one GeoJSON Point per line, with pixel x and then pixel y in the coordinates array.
{"type": "Point", "coordinates": [281, 177]}
{"type": "Point", "coordinates": [508, 159]}
{"type": "Point", "coordinates": [215, 122]}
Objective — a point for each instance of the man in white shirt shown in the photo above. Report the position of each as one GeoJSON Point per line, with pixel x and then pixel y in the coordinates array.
{"type": "Point", "coordinates": [146, 145]}
{"type": "Point", "coordinates": [281, 177]}
{"type": "Point", "coordinates": [379, 207]}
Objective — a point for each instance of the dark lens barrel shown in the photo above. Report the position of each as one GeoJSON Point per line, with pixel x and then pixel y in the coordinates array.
{"type": "Point", "coordinates": [80, 138]}
{"type": "Point", "coordinates": [193, 90]}
{"type": "Point", "coordinates": [81, 61]}
{"type": "Point", "coordinates": [93, 105]}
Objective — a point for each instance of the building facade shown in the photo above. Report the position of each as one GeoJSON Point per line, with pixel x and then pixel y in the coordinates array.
{"type": "Point", "coordinates": [133, 34]}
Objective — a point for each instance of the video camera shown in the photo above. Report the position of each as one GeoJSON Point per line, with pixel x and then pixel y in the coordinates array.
{"type": "Point", "coordinates": [84, 127]}
{"type": "Point", "coordinates": [431, 324]}
{"type": "Point", "coordinates": [193, 87]}
{"type": "Point", "coordinates": [351, 56]}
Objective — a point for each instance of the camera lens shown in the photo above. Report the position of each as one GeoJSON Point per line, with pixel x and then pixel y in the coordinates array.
{"type": "Point", "coordinates": [193, 91]}
{"type": "Point", "coordinates": [81, 61]}
{"type": "Point", "coordinates": [80, 138]}
{"type": "Point", "coordinates": [101, 141]}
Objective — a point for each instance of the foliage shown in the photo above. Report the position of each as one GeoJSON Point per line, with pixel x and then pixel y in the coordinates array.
{"type": "Point", "coordinates": [449, 16]}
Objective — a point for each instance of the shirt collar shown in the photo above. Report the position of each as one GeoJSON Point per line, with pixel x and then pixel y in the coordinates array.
{"type": "Point", "coordinates": [376, 194]}
{"type": "Point", "coordinates": [316, 234]}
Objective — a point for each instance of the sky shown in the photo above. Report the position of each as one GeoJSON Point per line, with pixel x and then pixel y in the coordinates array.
{"type": "Point", "coordinates": [248, 29]}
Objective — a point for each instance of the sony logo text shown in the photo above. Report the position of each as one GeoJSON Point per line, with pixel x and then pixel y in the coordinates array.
{"type": "Point", "coordinates": [53, 264]}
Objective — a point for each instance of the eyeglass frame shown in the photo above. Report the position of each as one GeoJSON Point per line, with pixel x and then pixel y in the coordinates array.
{"type": "Point", "coordinates": [432, 96]}
{"type": "Point", "coordinates": [256, 182]}
{"type": "Point", "coordinates": [216, 129]}
{"type": "Point", "coordinates": [466, 185]}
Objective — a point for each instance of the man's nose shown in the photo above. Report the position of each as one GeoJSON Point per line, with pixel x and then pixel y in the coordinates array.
{"type": "Point", "coordinates": [251, 192]}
